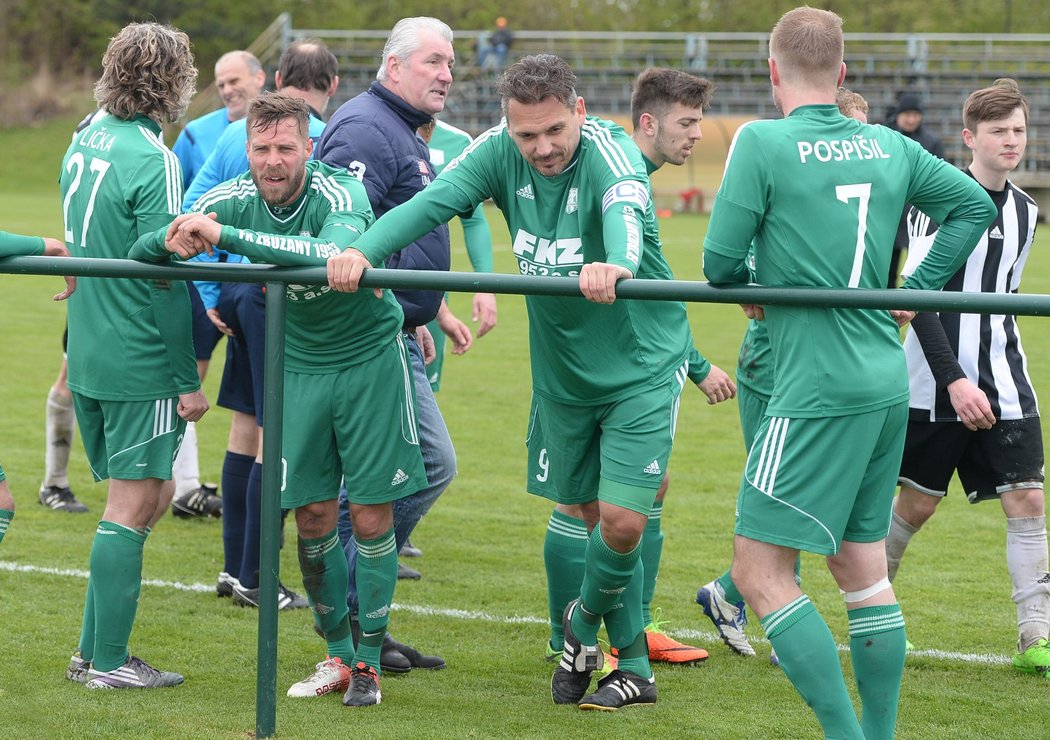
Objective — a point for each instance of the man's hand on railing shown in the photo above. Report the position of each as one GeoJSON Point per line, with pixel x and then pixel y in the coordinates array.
{"type": "Point", "coordinates": [345, 270]}
{"type": "Point", "coordinates": [192, 233]}
{"type": "Point", "coordinates": [55, 248]}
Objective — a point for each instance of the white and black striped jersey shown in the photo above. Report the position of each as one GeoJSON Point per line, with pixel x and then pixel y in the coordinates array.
{"type": "Point", "coordinates": [986, 348]}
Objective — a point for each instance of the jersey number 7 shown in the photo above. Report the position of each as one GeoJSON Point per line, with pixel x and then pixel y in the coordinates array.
{"type": "Point", "coordinates": [862, 193]}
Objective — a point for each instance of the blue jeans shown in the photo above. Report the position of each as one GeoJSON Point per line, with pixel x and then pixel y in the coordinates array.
{"type": "Point", "coordinates": [439, 459]}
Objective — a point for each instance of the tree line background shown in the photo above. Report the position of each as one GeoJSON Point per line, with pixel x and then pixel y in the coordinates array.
{"type": "Point", "coordinates": [50, 49]}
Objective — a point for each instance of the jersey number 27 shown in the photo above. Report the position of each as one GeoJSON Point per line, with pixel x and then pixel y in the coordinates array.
{"type": "Point", "coordinates": [99, 168]}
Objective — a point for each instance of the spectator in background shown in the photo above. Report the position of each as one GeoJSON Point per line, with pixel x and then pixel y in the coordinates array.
{"type": "Point", "coordinates": [495, 46]}
{"type": "Point", "coordinates": [239, 77]}
{"type": "Point", "coordinates": [906, 117]}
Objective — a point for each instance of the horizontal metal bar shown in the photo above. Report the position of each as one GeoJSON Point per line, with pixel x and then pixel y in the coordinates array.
{"type": "Point", "coordinates": [488, 282]}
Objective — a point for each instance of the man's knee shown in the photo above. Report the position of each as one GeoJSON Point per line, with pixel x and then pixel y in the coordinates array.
{"type": "Point", "coordinates": [915, 507]}
{"type": "Point", "coordinates": [371, 520]}
{"type": "Point", "coordinates": [1028, 502]}
{"type": "Point", "coordinates": [315, 520]}
{"type": "Point", "coordinates": [622, 528]}
{"type": "Point", "coordinates": [860, 567]}
{"type": "Point", "coordinates": [244, 434]}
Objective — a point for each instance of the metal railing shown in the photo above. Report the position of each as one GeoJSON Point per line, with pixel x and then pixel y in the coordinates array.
{"type": "Point", "coordinates": [276, 278]}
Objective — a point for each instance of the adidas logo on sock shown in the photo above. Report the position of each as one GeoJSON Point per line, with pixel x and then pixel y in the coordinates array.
{"type": "Point", "coordinates": [526, 192]}
{"type": "Point", "coordinates": [652, 468]}
{"type": "Point", "coordinates": [399, 477]}
{"type": "Point", "coordinates": [995, 233]}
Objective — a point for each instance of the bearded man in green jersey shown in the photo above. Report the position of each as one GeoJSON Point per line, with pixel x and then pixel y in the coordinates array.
{"type": "Point", "coordinates": [823, 465]}
{"type": "Point", "coordinates": [131, 365]}
{"type": "Point", "coordinates": [606, 378]}
{"type": "Point", "coordinates": [346, 373]}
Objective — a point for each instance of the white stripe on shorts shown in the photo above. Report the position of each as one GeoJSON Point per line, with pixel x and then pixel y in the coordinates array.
{"type": "Point", "coordinates": [411, 433]}
{"type": "Point", "coordinates": [769, 457]}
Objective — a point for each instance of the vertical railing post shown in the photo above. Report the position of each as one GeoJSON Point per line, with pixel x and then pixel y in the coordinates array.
{"type": "Point", "coordinates": [270, 523]}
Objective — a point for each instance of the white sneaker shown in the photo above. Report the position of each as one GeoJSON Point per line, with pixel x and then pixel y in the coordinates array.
{"type": "Point", "coordinates": [225, 584]}
{"type": "Point", "coordinates": [134, 674]}
{"type": "Point", "coordinates": [330, 676]}
{"type": "Point", "coordinates": [729, 619]}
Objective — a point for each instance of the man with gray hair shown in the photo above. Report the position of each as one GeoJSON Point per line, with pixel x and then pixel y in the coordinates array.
{"type": "Point", "coordinates": [606, 378]}
{"type": "Point", "coordinates": [374, 137]}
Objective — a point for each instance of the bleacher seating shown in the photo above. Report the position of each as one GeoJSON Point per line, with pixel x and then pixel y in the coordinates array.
{"type": "Point", "coordinates": [942, 68]}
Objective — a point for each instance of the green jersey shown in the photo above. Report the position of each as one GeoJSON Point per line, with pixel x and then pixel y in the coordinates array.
{"type": "Point", "coordinates": [326, 331]}
{"type": "Point", "coordinates": [597, 210]}
{"type": "Point", "coordinates": [754, 364]}
{"type": "Point", "coordinates": [699, 367]}
{"type": "Point", "coordinates": [821, 195]}
{"type": "Point", "coordinates": [12, 245]}
{"type": "Point", "coordinates": [447, 143]}
{"type": "Point", "coordinates": [129, 339]}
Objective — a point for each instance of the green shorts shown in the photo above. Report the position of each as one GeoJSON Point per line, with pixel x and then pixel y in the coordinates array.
{"type": "Point", "coordinates": [3, 476]}
{"type": "Point", "coordinates": [811, 483]}
{"type": "Point", "coordinates": [752, 409]}
{"type": "Point", "coordinates": [358, 424]}
{"type": "Point", "coordinates": [616, 452]}
{"type": "Point", "coordinates": [129, 440]}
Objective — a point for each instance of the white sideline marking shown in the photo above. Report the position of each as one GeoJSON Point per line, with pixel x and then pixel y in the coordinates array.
{"type": "Point", "coordinates": [479, 616]}
{"type": "Point", "coordinates": [73, 573]}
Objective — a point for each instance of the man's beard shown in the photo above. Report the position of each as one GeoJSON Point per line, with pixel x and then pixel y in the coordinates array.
{"type": "Point", "coordinates": [282, 195]}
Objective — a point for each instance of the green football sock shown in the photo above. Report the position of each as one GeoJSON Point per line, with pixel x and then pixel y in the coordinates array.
{"type": "Point", "coordinates": [325, 576]}
{"type": "Point", "coordinates": [624, 623]}
{"type": "Point", "coordinates": [6, 516]}
{"type": "Point", "coordinates": [607, 574]}
{"type": "Point", "coordinates": [564, 553]}
{"type": "Point", "coordinates": [627, 630]}
{"type": "Point", "coordinates": [376, 577]}
{"type": "Point", "coordinates": [87, 625]}
{"type": "Point", "coordinates": [116, 580]}
{"type": "Point", "coordinates": [340, 641]}
{"type": "Point", "coordinates": [652, 548]}
{"type": "Point", "coordinates": [732, 595]}
{"type": "Point", "coordinates": [877, 647]}
{"type": "Point", "coordinates": [810, 660]}
{"type": "Point", "coordinates": [635, 657]}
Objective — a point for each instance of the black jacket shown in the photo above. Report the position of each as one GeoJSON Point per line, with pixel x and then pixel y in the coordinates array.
{"type": "Point", "coordinates": [373, 136]}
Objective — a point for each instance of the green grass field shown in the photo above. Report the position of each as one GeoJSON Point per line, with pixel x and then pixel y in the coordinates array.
{"type": "Point", "coordinates": [482, 601]}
